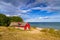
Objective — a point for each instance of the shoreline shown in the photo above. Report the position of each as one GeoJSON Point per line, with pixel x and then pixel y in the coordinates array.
{"type": "Point", "coordinates": [38, 28]}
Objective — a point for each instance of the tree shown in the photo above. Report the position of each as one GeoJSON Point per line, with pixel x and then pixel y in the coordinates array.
{"type": "Point", "coordinates": [16, 19]}
{"type": "Point", "coordinates": [4, 20]}
{"type": "Point", "coordinates": [7, 21]}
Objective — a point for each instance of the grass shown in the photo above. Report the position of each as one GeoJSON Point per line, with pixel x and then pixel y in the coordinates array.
{"type": "Point", "coordinates": [52, 32]}
{"type": "Point", "coordinates": [11, 33]}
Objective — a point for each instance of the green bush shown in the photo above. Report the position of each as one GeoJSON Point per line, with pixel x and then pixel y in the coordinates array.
{"type": "Point", "coordinates": [34, 27]}
{"type": "Point", "coordinates": [5, 21]}
{"type": "Point", "coordinates": [16, 19]}
{"type": "Point", "coordinates": [51, 30]}
{"type": "Point", "coordinates": [44, 30]}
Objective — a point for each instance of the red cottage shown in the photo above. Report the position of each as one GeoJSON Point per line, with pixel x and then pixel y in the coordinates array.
{"type": "Point", "coordinates": [25, 26]}
{"type": "Point", "coordinates": [21, 25]}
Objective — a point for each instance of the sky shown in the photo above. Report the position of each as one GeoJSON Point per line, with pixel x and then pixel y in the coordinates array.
{"type": "Point", "coordinates": [32, 10]}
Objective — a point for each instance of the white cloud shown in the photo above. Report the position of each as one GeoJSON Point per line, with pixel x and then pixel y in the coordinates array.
{"type": "Point", "coordinates": [25, 11]}
{"type": "Point", "coordinates": [7, 15]}
{"type": "Point", "coordinates": [49, 8]}
{"type": "Point", "coordinates": [43, 17]}
{"type": "Point", "coordinates": [11, 15]}
{"type": "Point", "coordinates": [42, 20]}
{"type": "Point", "coordinates": [11, 10]}
{"type": "Point", "coordinates": [52, 18]}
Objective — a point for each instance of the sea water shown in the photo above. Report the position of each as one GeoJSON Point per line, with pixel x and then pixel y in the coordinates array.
{"type": "Point", "coordinates": [55, 25]}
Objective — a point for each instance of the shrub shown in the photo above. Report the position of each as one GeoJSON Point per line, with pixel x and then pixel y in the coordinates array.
{"type": "Point", "coordinates": [4, 20]}
{"type": "Point", "coordinates": [51, 30]}
{"type": "Point", "coordinates": [44, 30]}
{"type": "Point", "coordinates": [16, 19]}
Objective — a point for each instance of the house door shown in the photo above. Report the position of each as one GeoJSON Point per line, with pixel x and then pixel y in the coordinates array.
{"type": "Point", "coordinates": [27, 28]}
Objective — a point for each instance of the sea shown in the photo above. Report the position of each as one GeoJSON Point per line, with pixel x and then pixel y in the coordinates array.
{"type": "Point", "coordinates": [54, 25]}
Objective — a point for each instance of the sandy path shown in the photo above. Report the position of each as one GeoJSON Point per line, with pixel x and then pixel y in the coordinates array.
{"type": "Point", "coordinates": [34, 31]}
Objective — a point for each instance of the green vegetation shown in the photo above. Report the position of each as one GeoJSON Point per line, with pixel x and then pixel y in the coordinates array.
{"type": "Point", "coordinates": [51, 32]}
{"type": "Point", "coordinates": [5, 21]}
{"type": "Point", "coordinates": [44, 30]}
{"type": "Point", "coordinates": [33, 27]}
{"type": "Point", "coordinates": [16, 19]}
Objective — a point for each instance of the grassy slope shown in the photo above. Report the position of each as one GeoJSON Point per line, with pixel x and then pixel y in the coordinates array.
{"type": "Point", "coordinates": [10, 33]}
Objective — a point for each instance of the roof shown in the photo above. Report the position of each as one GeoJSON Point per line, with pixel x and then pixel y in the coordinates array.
{"type": "Point", "coordinates": [23, 23]}
{"type": "Point", "coordinates": [16, 23]}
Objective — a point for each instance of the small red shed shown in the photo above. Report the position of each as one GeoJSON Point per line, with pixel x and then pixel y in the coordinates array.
{"type": "Point", "coordinates": [25, 26]}
{"type": "Point", "coordinates": [21, 25]}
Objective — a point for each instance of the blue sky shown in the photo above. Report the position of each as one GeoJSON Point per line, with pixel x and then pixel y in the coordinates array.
{"type": "Point", "coordinates": [32, 10]}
